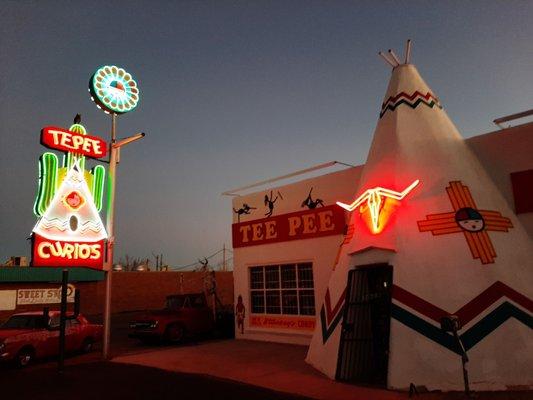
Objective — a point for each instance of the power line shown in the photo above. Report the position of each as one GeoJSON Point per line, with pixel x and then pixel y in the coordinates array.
{"type": "Point", "coordinates": [195, 263]}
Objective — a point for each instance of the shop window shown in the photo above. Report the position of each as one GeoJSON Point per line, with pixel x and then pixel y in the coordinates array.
{"type": "Point", "coordinates": [282, 289]}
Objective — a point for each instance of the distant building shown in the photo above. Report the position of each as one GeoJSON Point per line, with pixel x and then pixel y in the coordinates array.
{"type": "Point", "coordinates": [17, 261]}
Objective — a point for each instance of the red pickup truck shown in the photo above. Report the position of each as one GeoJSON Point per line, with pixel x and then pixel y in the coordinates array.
{"type": "Point", "coordinates": [27, 336]}
{"type": "Point", "coordinates": [183, 315]}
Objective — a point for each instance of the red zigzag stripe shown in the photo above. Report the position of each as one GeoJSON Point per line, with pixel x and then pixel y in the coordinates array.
{"type": "Point", "coordinates": [331, 313]}
{"type": "Point", "coordinates": [470, 310]}
{"type": "Point", "coordinates": [394, 99]}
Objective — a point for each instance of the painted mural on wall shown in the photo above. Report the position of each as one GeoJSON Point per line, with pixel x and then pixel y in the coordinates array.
{"type": "Point", "coordinates": [240, 313]}
{"type": "Point", "coordinates": [466, 218]}
{"type": "Point", "coordinates": [310, 203]}
{"type": "Point", "coordinates": [244, 210]}
{"type": "Point", "coordinates": [270, 202]}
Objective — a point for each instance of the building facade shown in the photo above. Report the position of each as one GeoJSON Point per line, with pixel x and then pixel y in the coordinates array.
{"type": "Point", "coordinates": [375, 266]}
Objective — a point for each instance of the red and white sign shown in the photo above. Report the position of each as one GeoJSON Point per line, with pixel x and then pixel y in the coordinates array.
{"type": "Point", "coordinates": [65, 140]}
{"type": "Point", "coordinates": [59, 253]}
{"type": "Point", "coordinates": [309, 224]}
{"type": "Point", "coordinates": [283, 322]}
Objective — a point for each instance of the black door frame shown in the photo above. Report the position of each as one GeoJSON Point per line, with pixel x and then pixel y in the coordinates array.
{"type": "Point", "coordinates": [347, 348]}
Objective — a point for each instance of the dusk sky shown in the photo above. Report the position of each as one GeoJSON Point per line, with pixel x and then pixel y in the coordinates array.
{"type": "Point", "coordinates": [233, 92]}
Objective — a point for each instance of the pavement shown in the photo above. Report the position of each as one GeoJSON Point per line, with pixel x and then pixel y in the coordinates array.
{"type": "Point", "coordinates": [280, 367]}
{"type": "Point", "coordinates": [222, 369]}
{"type": "Point", "coordinates": [107, 380]}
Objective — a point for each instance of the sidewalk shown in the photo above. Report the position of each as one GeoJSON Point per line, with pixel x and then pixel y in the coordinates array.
{"type": "Point", "coordinates": [280, 367]}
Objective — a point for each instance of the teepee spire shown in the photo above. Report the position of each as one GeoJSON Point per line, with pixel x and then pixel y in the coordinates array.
{"type": "Point", "coordinates": [393, 60]}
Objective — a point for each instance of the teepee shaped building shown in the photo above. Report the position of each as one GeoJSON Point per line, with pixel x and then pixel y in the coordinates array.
{"type": "Point", "coordinates": [433, 243]}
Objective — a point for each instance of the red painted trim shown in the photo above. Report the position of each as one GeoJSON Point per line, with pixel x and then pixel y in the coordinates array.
{"type": "Point", "coordinates": [308, 224]}
{"type": "Point", "coordinates": [331, 313]}
{"type": "Point", "coordinates": [470, 310]}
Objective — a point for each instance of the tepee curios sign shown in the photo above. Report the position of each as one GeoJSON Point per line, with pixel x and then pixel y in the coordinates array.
{"type": "Point", "coordinates": [69, 232]}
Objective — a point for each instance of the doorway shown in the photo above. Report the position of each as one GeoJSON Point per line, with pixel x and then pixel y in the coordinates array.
{"type": "Point", "coordinates": [364, 346]}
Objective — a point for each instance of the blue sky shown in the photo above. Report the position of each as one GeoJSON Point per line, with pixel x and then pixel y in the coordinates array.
{"type": "Point", "coordinates": [233, 92]}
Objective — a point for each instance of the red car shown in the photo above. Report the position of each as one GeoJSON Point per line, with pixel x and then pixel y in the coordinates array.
{"type": "Point", "coordinates": [184, 315]}
{"type": "Point", "coordinates": [27, 336]}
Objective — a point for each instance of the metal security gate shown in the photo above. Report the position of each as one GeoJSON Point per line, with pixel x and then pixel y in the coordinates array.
{"type": "Point", "coordinates": [364, 346]}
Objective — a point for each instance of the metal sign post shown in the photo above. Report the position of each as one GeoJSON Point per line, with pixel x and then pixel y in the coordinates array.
{"type": "Point", "coordinates": [62, 321]}
{"type": "Point", "coordinates": [115, 92]}
{"type": "Point", "coordinates": [111, 240]}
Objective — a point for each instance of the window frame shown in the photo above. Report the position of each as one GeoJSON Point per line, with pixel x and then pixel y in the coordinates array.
{"type": "Point", "coordinates": [252, 271]}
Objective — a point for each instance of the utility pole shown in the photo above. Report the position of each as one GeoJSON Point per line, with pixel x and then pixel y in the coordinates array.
{"type": "Point", "coordinates": [224, 258]}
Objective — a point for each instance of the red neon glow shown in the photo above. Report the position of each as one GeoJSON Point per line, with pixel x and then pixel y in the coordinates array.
{"type": "Point", "coordinates": [374, 199]}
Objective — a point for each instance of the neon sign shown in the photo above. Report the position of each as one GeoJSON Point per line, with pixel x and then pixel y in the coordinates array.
{"type": "Point", "coordinates": [69, 232]}
{"type": "Point", "coordinates": [71, 228]}
{"type": "Point", "coordinates": [71, 141]}
{"type": "Point", "coordinates": [113, 90]}
{"type": "Point", "coordinates": [375, 199]}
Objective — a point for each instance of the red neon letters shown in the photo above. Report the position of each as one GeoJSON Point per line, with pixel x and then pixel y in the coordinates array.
{"type": "Point", "coordinates": [59, 253]}
{"type": "Point", "coordinates": [65, 140]}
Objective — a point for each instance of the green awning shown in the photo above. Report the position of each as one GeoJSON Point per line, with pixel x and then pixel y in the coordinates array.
{"type": "Point", "coordinates": [41, 274]}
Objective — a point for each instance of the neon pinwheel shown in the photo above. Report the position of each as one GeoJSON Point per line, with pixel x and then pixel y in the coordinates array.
{"type": "Point", "coordinates": [374, 199]}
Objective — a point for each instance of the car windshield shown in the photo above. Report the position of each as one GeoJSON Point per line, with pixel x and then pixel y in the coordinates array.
{"type": "Point", "coordinates": [175, 302]}
{"type": "Point", "coordinates": [24, 322]}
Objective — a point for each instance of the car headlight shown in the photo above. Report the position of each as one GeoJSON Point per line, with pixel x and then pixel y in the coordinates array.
{"type": "Point", "coordinates": [154, 324]}
{"type": "Point", "coordinates": [2, 347]}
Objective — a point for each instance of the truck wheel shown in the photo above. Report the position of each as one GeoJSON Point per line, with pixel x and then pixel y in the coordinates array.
{"type": "Point", "coordinates": [24, 357]}
{"type": "Point", "coordinates": [175, 333]}
{"type": "Point", "coordinates": [87, 345]}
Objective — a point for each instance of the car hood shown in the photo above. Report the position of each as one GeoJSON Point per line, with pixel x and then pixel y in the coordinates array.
{"type": "Point", "coordinates": [7, 333]}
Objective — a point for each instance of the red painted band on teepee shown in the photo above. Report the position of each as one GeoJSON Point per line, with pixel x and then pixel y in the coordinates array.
{"type": "Point", "coordinates": [403, 95]}
{"type": "Point", "coordinates": [470, 310]}
{"type": "Point", "coordinates": [331, 313]}
{"type": "Point", "coordinates": [412, 101]}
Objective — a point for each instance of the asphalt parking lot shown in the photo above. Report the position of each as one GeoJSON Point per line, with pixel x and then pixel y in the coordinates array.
{"type": "Point", "coordinates": [204, 368]}
{"type": "Point", "coordinates": [107, 380]}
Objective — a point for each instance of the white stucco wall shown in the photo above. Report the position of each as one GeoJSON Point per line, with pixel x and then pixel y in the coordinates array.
{"type": "Point", "coordinates": [319, 251]}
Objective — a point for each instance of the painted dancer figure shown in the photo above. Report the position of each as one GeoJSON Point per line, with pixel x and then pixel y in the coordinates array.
{"type": "Point", "coordinates": [270, 203]}
{"type": "Point", "coordinates": [310, 203]}
{"type": "Point", "coordinates": [245, 209]}
{"type": "Point", "coordinates": [240, 312]}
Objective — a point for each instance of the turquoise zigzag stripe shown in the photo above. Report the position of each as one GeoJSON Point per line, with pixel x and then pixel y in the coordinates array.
{"type": "Point", "coordinates": [473, 335]}
{"type": "Point", "coordinates": [392, 107]}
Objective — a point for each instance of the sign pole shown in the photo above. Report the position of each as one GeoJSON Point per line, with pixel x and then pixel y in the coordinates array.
{"type": "Point", "coordinates": [62, 321]}
{"type": "Point", "coordinates": [111, 240]}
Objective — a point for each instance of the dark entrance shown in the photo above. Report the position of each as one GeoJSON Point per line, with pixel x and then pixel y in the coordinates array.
{"type": "Point", "coordinates": [364, 347]}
